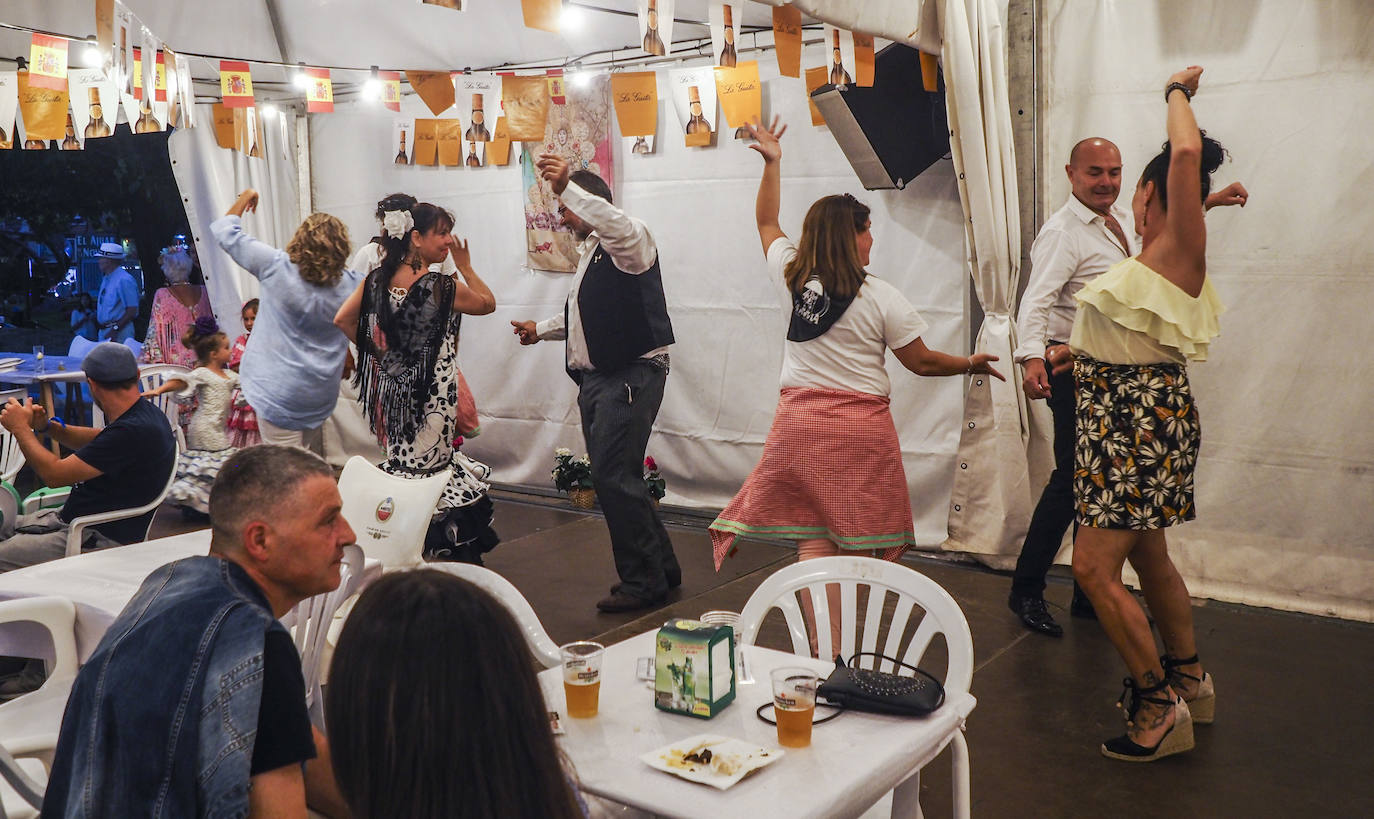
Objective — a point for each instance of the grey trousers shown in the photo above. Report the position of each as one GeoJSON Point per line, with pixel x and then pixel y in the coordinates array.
{"type": "Point", "coordinates": [39, 537]}
{"type": "Point", "coordinates": [618, 411]}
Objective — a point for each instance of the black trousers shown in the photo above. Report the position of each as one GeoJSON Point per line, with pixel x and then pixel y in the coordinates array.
{"type": "Point", "coordinates": [1055, 511]}
{"type": "Point", "coordinates": [618, 411]}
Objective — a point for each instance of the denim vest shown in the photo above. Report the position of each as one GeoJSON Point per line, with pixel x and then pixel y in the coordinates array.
{"type": "Point", "coordinates": [162, 717]}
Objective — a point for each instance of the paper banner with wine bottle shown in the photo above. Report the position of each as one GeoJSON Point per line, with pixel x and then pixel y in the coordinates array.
{"type": "Point", "coordinates": [498, 150]}
{"type": "Point", "coordinates": [861, 56]}
{"type": "Point", "coordinates": [475, 94]}
{"type": "Point", "coordinates": [542, 14]}
{"type": "Point", "coordinates": [402, 141]}
{"type": "Point", "coordinates": [434, 87]}
{"type": "Point", "coordinates": [426, 142]}
{"type": "Point", "coordinates": [104, 35]}
{"type": "Point", "coordinates": [178, 72]}
{"type": "Point", "coordinates": [123, 55]}
{"type": "Point", "coordinates": [656, 26]}
{"type": "Point", "coordinates": [787, 39]}
{"type": "Point", "coordinates": [42, 112]}
{"type": "Point", "coordinates": [456, 5]}
{"type": "Point", "coordinates": [9, 107]}
{"type": "Point", "coordinates": [526, 103]}
{"type": "Point", "coordinates": [694, 97]}
{"type": "Point", "coordinates": [155, 73]}
{"type": "Point", "coordinates": [143, 114]}
{"type": "Point", "coordinates": [580, 132]}
{"type": "Point", "coordinates": [248, 137]}
{"type": "Point", "coordinates": [90, 92]}
{"type": "Point", "coordinates": [837, 43]}
{"type": "Point", "coordinates": [725, 18]}
{"type": "Point", "coordinates": [741, 96]}
{"type": "Point", "coordinates": [815, 78]}
{"type": "Point", "coordinates": [448, 139]}
{"type": "Point", "coordinates": [222, 120]}
{"type": "Point", "coordinates": [635, 97]}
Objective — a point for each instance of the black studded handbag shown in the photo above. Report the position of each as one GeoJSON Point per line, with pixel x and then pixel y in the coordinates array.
{"type": "Point", "coordinates": [879, 692]}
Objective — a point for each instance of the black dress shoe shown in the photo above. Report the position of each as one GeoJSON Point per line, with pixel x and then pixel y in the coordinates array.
{"type": "Point", "coordinates": [624, 601]}
{"type": "Point", "coordinates": [1034, 615]}
{"type": "Point", "coordinates": [1081, 605]}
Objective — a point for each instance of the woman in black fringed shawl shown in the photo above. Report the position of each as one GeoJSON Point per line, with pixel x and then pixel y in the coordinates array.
{"type": "Point", "coordinates": [405, 320]}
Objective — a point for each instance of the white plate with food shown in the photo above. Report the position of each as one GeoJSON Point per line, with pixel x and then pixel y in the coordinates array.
{"type": "Point", "coordinates": [711, 759]}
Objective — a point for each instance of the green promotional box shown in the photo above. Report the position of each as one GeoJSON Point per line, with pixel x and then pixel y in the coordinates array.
{"type": "Point", "coordinates": [694, 668]}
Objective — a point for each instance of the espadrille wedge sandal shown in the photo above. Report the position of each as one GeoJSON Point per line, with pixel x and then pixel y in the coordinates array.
{"type": "Point", "coordinates": [1176, 740]}
{"type": "Point", "coordinates": [1203, 703]}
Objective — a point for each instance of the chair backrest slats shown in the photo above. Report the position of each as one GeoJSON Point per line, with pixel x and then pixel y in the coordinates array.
{"type": "Point", "coordinates": [942, 615]}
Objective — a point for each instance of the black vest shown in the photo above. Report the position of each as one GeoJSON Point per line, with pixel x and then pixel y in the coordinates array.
{"type": "Point", "coordinates": [623, 315]}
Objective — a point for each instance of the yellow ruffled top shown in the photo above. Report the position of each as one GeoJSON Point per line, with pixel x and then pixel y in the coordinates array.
{"type": "Point", "coordinates": [1131, 312]}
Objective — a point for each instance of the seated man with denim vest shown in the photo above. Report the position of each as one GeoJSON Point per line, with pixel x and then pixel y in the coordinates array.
{"type": "Point", "coordinates": [193, 703]}
{"type": "Point", "coordinates": [122, 465]}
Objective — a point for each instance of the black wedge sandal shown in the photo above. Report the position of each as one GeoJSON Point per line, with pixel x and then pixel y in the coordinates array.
{"type": "Point", "coordinates": [1203, 704]}
{"type": "Point", "coordinates": [1176, 740]}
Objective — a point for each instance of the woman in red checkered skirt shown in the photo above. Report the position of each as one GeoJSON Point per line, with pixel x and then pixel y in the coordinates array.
{"type": "Point", "coordinates": [834, 388]}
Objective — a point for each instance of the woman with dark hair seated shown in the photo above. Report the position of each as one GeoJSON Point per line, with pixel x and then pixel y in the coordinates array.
{"type": "Point", "coordinates": [435, 711]}
{"type": "Point", "coordinates": [1138, 435]}
{"type": "Point", "coordinates": [405, 319]}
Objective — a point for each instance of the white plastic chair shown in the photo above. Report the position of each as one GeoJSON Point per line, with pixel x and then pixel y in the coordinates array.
{"type": "Point", "coordinates": [912, 589]}
{"type": "Point", "coordinates": [29, 724]}
{"type": "Point", "coordinates": [21, 791]}
{"type": "Point", "coordinates": [78, 395]}
{"type": "Point", "coordinates": [151, 377]}
{"type": "Point", "coordinates": [544, 649]}
{"type": "Point", "coordinates": [11, 456]}
{"type": "Point", "coordinates": [49, 499]}
{"type": "Point", "coordinates": [310, 622]}
{"type": "Point", "coordinates": [388, 513]}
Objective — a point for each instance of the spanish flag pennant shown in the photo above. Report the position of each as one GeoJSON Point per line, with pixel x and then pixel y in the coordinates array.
{"type": "Point", "coordinates": [138, 73]}
{"type": "Point", "coordinates": [235, 84]}
{"type": "Point", "coordinates": [160, 79]}
{"type": "Point", "coordinates": [319, 94]}
{"type": "Point", "coordinates": [391, 89]}
{"type": "Point", "coordinates": [556, 89]}
{"type": "Point", "coordinates": [48, 62]}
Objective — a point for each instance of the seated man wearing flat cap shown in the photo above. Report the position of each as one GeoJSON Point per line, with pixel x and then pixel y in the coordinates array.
{"type": "Point", "coordinates": [122, 465]}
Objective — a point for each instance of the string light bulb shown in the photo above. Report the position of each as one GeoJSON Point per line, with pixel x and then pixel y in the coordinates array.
{"type": "Point", "coordinates": [372, 88]}
{"type": "Point", "coordinates": [90, 55]}
{"type": "Point", "coordinates": [301, 80]}
{"type": "Point", "coordinates": [580, 78]}
{"type": "Point", "coordinates": [268, 110]}
{"type": "Point", "coordinates": [571, 18]}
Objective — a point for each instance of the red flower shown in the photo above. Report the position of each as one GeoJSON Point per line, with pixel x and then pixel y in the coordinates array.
{"type": "Point", "coordinates": [650, 465]}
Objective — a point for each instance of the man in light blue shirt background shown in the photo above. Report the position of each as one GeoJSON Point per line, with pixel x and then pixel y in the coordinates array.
{"type": "Point", "coordinates": [117, 305]}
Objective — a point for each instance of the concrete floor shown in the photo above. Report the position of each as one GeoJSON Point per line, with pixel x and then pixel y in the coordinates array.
{"type": "Point", "coordinates": [1295, 715]}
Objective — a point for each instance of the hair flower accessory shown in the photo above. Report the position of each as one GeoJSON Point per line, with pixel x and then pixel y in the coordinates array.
{"type": "Point", "coordinates": [206, 326]}
{"type": "Point", "coordinates": [397, 223]}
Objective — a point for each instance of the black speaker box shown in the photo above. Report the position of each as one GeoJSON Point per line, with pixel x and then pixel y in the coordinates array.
{"type": "Point", "coordinates": [892, 131]}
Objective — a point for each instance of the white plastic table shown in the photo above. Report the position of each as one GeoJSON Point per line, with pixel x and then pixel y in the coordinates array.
{"type": "Point", "coordinates": [852, 762]}
{"type": "Point", "coordinates": [100, 583]}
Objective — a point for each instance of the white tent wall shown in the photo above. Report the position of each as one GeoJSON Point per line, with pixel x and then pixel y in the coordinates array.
{"type": "Point", "coordinates": [727, 314]}
{"type": "Point", "coordinates": [1285, 483]}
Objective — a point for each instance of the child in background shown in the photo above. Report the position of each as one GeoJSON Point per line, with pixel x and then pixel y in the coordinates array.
{"type": "Point", "coordinates": [243, 422]}
{"type": "Point", "coordinates": [212, 384]}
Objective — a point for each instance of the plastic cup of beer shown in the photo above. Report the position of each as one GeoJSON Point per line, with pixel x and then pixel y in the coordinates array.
{"type": "Point", "coordinates": [794, 704]}
{"type": "Point", "coordinates": [582, 677]}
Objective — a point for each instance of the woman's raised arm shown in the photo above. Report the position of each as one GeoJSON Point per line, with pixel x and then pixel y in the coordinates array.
{"type": "Point", "coordinates": [770, 185]}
